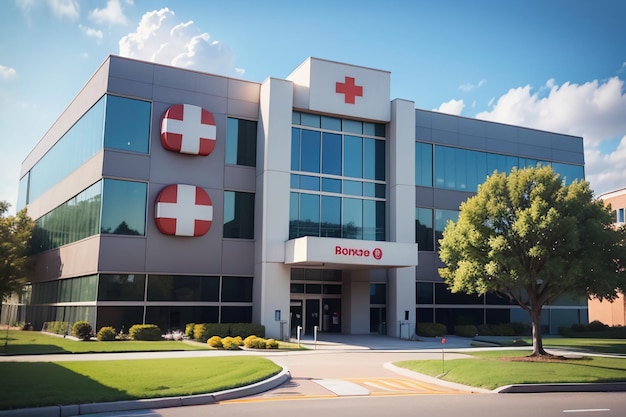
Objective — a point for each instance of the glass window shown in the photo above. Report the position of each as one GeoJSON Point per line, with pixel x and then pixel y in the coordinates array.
{"type": "Point", "coordinates": [620, 215]}
{"type": "Point", "coordinates": [312, 120]}
{"type": "Point", "coordinates": [331, 217]}
{"type": "Point", "coordinates": [241, 138]}
{"type": "Point", "coordinates": [331, 185]}
{"type": "Point", "coordinates": [124, 207]}
{"type": "Point", "coordinates": [423, 164]}
{"type": "Point", "coordinates": [374, 159]}
{"type": "Point", "coordinates": [352, 218]}
{"type": "Point", "coordinates": [295, 117]}
{"type": "Point", "coordinates": [183, 288]}
{"type": "Point", "coordinates": [238, 215]}
{"type": "Point", "coordinates": [236, 289]}
{"type": "Point", "coordinates": [424, 292]}
{"type": "Point", "coordinates": [352, 126]}
{"type": "Point", "coordinates": [353, 157]}
{"type": "Point", "coordinates": [121, 287]}
{"type": "Point", "coordinates": [568, 172]}
{"type": "Point", "coordinates": [294, 215]}
{"type": "Point", "coordinates": [309, 215]}
{"type": "Point", "coordinates": [309, 183]}
{"type": "Point", "coordinates": [310, 151]}
{"type": "Point", "coordinates": [331, 123]}
{"type": "Point", "coordinates": [236, 314]}
{"type": "Point", "coordinates": [352, 187]}
{"type": "Point", "coordinates": [331, 153]}
{"type": "Point", "coordinates": [80, 143]}
{"type": "Point", "coordinates": [378, 294]}
{"type": "Point", "coordinates": [424, 236]}
{"type": "Point", "coordinates": [127, 125]}
{"type": "Point", "coordinates": [73, 220]}
{"type": "Point", "coordinates": [295, 149]}
{"type": "Point", "coordinates": [441, 219]}
{"type": "Point", "coordinates": [22, 194]}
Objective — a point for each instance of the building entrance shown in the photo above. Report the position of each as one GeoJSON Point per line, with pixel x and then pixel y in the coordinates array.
{"type": "Point", "coordinates": [325, 313]}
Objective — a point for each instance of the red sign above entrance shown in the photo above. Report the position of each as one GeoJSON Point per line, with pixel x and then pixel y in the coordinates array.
{"type": "Point", "coordinates": [358, 252]}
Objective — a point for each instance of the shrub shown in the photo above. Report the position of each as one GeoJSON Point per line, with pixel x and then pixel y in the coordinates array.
{"type": "Point", "coordinates": [504, 329]}
{"type": "Point", "coordinates": [189, 330]}
{"type": "Point", "coordinates": [56, 327]}
{"type": "Point", "coordinates": [254, 342]}
{"type": "Point", "coordinates": [82, 330]}
{"type": "Point", "coordinates": [465, 330]}
{"type": "Point", "coordinates": [597, 326]}
{"type": "Point", "coordinates": [271, 344]}
{"type": "Point", "coordinates": [145, 332]}
{"type": "Point", "coordinates": [231, 343]}
{"type": "Point", "coordinates": [521, 329]}
{"type": "Point", "coordinates": [430, 329]}
{"type": "Point", "coordinates": [199, 332]}
{"type": "Point", "coordinates": [485, 330]}
{"type": "Point", "coordinates": [106, 333]}
{"type": "Point", "coordinates": [246, 329]}
{"type": "Point", "coordinates": [215, 342]}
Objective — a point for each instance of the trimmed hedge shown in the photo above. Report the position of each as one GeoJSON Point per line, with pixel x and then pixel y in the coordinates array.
{"type": "Point", "coordinates": [504, 329]}
{"type": "Point", "coordinates": [144, 332]}
{"type": "Point", "coordinates": [431, 329]}
{"type": "Point", "coordinates": [202, 332]}
{"type": "Point", "coordinates": [465, 330]}
{"type": "Point", "coordinates": [56, 327]}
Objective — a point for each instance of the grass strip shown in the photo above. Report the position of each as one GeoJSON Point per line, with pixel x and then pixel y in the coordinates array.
{"type": "Point", "coordinates": [493, 369]}
{"type": "Point", "coordinates": [36, 384]}
{"type": "Point", "coordinates": [18, 342]}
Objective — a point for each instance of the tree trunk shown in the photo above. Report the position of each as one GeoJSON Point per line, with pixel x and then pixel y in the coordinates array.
{"type": "Point", "coordinates": [535, 315]}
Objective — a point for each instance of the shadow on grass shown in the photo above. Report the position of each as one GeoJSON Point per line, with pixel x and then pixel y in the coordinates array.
{"type": "Point", "coordinates": [34, 349]}
{"type": "Point", "coordinates": [38, 384]}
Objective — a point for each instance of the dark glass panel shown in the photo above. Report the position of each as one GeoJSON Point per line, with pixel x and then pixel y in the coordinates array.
{"type": "Point", "coordinates": [331, 185]}
{"type": "Point", "coordinates": [353, 157]}
{"type": "Point", "coordinates": [182, 288]}
{"type": "Point", "coordinates": [127, 125]}
{"type": "Point", "coordinates": [424, 292]}
{"type": "Point", "coordinates": [331, 153]}
{"type": "Point", "coordinates": [124, 207]}
{"type": "Point", "coordinates": [444, 296]}
{"type": "Point", "coordinates": [236, 314]}
{"type": "Point", "coordinates": [119, 317]}
{"type": "Point", "coordinates": [331, 217]}
{"type": "Point", "coordinates": [121, 287]}
{"type": "Point", "coordinates": [310, 151]}
{"type": "Point", "coordinates": [236, 289]}
{"type": "Point", "coordinates": [241, 141]}
{"type": "Point", "coordinates": [424, 232]}
{"type": "Point", "coordinates": [352, 218]}
{"type": "Point", "coordinates": [378, 294]}
{"type": "Point", "coordinates": [295, 149]}
{"type": "Point", "coordinates": [238, 215]}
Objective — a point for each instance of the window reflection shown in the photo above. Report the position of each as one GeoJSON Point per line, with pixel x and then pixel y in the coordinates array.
{"type": "Point", "coordinates": [241, 138]}
{"type": "Point", "coordinates": [124, 207]}
{"type": "Point", "coordinates": [127, 125]}
{"type": "Point", "coordinates": [238, 215]}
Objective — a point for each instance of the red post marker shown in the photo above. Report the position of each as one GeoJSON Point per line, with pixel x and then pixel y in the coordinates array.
{"type": "Point", "coordinates": [443, 340]}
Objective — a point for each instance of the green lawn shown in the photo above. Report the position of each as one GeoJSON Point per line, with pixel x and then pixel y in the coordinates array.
{"type": "Point", "coordinates": [595, 344]}
{"type": "Point", "coordinates": [493, 369]}
{"type": "Point", "coordinates": [35, 384]}
{"type": "Point", "coordinates": [32, 343]}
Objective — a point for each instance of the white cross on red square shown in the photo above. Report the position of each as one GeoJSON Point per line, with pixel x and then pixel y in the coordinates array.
{"type": "Point", "coordinates": [188, 129]}
{"type": "Point", "coordinates": [183, 210]}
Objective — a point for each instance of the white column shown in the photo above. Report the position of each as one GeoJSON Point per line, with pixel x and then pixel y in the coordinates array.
{"type": "Point", "coordinates": [401, 287]}
{"type": "Point", "coordinates": [271, 276]}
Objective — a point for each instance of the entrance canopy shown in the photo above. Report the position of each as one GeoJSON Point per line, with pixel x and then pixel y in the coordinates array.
{"type": "Point", "coordinates": [349, 253]}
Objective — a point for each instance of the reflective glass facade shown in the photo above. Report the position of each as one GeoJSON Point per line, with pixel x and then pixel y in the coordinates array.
{"type": "Point", "coordinates": [127, 128]}
{"type": "Point", "coordinates": [338, 179]}
{"type": "Point", "coordinates": [464, 169]}
{"type": "Point", "coordinates": [121, 211]}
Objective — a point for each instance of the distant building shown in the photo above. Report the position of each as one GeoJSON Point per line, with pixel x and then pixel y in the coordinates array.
{"type": "Point", "coordinates": [613, 314]}
{"type": "Point", "coordinates": [168, 196]}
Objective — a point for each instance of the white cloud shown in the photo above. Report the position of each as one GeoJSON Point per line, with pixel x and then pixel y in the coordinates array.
{"type": "Point", "coordinates": [594, 110]}
{"type": "Point", "coordinates": [160, 38]}
{"type": "Point", "coordinates": [112, 14]}
{"type": "Point", "coordinates": [467, 87]}
{"type": "Point", "coordinates": [91, 32]}
{"type": "Point", "coordinates": [6, 73]}
{"type": "Point", "coordinates": [451, 107]}
{"type": "Point", "coordinates": [65, 8]}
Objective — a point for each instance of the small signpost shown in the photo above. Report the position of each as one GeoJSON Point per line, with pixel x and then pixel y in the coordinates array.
{"type": "Point", "coordinates": [443, 358]}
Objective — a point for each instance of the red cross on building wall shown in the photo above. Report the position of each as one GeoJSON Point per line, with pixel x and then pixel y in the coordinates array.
{"type": "Point", "coordinates": [349, 89]}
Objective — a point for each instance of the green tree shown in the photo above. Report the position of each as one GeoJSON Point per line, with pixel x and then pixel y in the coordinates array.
{"type": "Point", "coordinates": [529, 237]}
{"type": "Point", "coordinates": [15, 233]}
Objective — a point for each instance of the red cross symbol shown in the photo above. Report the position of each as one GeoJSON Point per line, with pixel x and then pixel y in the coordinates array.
{"type": "Point", "coordinates": [349, 89]}
{"type": "Point", "coordinates": [183, 210]}
{"type": "Point", "coordinates": [188, 129]}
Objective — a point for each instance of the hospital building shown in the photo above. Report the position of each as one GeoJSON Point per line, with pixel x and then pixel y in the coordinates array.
{"type": "Point", "coordinates": [169, 196]}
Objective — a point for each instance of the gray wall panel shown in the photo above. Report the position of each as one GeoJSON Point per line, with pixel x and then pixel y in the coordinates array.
{"type": "Point", "coordinates": [239, 178]}
{"type": "Point", "coordinates": [566, 143]}
{"type": "Point", "coordinates": [243, 109]}
{"type": "Point", "coordinates": [530, 151]}
{"type": "Point", "coordinates": [175, 77]}
{"type": "Point", "coordinates": [567, 157]}
{"type": "Point", "coordinates": [213, 85]}
{"type": "Point", "coordinates": [445, 137]}
{"type": "Point", "coordinates": [126, 165]}
{"type": "Point", "coordinates": [472, 127]}
{"type": "Point", "coordinates": [501, 132]}
{"type": "Point", "coordinates": [244, 90]}
{"type": "Point", "coordinates": [424, 197]}
{"type": "Point", "coordinates": [449, 199]}
{"type": "Point", "coordinates": [502, 146]}
{"type": "Point", "coordinates": [122, 253]}
{"type": "Point", "coordinates": [129, 88]}
{"type": "Point", "coordinates": [423, 118]}
{"type": "Point", "coordinates": [237, 257]}
{"type": "Point", "coordinates": [478, 143]}
{"type": "Point", "coordinates": [423, 133]}
{"type": "Point", "coordinates": [442, 121]}
{"type": "Point", "coordinates": [131, 70]}
{"type": "Point", "coordinates": [427, 270]}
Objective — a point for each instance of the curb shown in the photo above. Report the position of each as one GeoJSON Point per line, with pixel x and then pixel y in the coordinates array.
{"type": "Point", "coordinates": [539, 388]}
{"type": "Point", "coordinates": [200, 399]}
{"type": "Point", "coordinates": [433, 380]}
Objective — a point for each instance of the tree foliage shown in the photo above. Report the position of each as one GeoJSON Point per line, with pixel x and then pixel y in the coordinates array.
{"type": "Point", "coordinates": [15, 233]}
{"type": "Point", "coordinates": [531, 238]}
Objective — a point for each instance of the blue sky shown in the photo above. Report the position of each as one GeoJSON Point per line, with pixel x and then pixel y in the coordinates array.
{"type": "Point", "coordinates": [556, 65]}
